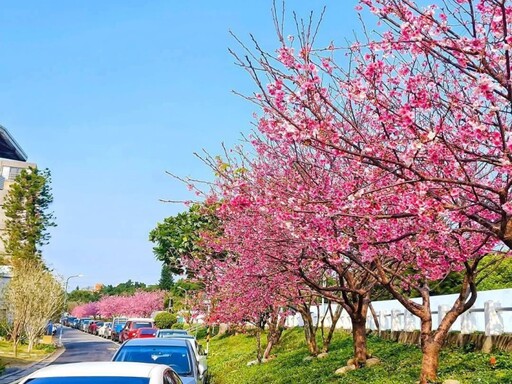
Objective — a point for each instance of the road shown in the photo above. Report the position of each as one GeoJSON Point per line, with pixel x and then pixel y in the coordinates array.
{"type": "Point", "coordinates": [82, 346]}
{"type": "Point", "coordinates": [79, 347]}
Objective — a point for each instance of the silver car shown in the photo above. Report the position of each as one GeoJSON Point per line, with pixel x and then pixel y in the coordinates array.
{"type": "Point", "coordinates": [199, 353]}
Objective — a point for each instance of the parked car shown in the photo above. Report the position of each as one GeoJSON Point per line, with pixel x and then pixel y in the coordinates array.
{"type": "Point", "coordinates": [117, 325]}
{"type": "Point", "coordinates": [130, 328]}
{"type": "Point", "coordinates": [105, 330]}
{"type": "Point", "coordinates": [94, 326]}
{"type": "Point", "coordinates": [84, 324]}
{"type": "Point", "coordinates": [145, 332]}
{"type": "Point", "coordinates": [199, 353]}
{"type": "Point", "coordinates": [105, 372]}
{"type": "Point", "coordinates": [68, 321]}
{"type": "Point", "coordinates": [176, 353]}
{"type": "Point", "coordinates": [170, 332]}
{"type": "Point", "coordinates": [76, 323]}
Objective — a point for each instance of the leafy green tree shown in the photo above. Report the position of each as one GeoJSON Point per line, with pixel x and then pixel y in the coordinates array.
{"type": "Point", "coordinates": [27, 217]}
{"type": "Point", "coordinates": [165, 320]}
{"type": "Point", "coordinates": [180, 236]}
{"type": "Point", "coordinates": [82, 296]}
{"type": "Point", "coordinates": [495, 273]}
{"type": "Point", "coordinates": [166, 281]}
{"type": "Point", "coordinates": [127, 288]}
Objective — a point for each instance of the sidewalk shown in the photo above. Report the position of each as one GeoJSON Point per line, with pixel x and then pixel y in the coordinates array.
{"type": "Point", "coordinates": [14, 374]}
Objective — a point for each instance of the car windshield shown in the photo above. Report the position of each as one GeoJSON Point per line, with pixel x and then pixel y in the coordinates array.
{"type": "Point", "coordinates": [89, 380]}
{"type": "Point", "coordinates": [170, 333]}
{"type": "Point", "coordinates": [174, 356]}
{"type": "Point", "coordinates": [142, 325]}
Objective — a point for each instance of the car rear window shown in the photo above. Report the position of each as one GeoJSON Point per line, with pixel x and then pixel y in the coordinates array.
{"type": "Point", "coordinates": [89, 380]}
{"type": "Point", "coordinates": [175, 357]}
{"type": "Point", "coordinates": [138, 325]}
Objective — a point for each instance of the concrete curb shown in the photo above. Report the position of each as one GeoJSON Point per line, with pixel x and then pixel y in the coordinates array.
{"type": "Point", "coordinates": [20, 372]}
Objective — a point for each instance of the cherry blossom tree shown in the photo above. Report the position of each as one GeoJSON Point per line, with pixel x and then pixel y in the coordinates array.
{"type": "Point", "coordinates": [86, 310]}
{"type": "Point", "coordinates": [420, 121]}
{"type": "Point", "coordinates": [275, 211]}
{"type": "Point", "coordinates": [140, 304]}
{"type": "Point", "coordinates": [143, 304]}
{"type": "Point", "coordinates": [111, 306]}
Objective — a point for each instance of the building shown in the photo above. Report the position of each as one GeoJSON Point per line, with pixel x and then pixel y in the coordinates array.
{"type": "Point", "coordinates": [5, 276]}
{"type": "Point", "coordinates": [12, 160]}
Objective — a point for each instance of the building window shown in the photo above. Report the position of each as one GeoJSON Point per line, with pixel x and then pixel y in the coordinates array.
{"type": "Point", "coordinates": [13, 172]}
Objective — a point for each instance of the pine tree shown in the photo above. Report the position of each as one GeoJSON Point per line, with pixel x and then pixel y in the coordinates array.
{"type": "Point", "coordinates": [27, 217]}
{"type": "Point", "coordinates": [166, 281]}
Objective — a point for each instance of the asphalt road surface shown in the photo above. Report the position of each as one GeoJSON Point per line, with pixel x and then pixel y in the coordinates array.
{"type": "Point", "coordinates": [82, 346]}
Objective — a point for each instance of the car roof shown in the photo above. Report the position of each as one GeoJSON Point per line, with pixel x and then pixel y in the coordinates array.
{"type": "Point", "coordinates": [156, 342]}
{"type": "Point", "coordinates": [186, 337]}
{"type": "Point", "coordinates": [140, 319]}
{"type": "Point", "coordinates": [101, 368]}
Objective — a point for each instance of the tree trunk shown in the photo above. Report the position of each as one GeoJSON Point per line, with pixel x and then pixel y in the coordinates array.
{"type": "Point", "coordinates": [359, 337]}
{"type": "Point", "coordinates": [430, 360]}
{"type": "Point", "coordinates": [375, 318]}
{"type": "Point", "coordinates": [258, 339]}
{"type": "Point", "coordinates": [309, 332]}
{"type": "Point", "coordinates": [430, 350]}
{"type": "Point", "coordinates": [335, 316]}
{"type": "Point", "coordinates": [274, 334]}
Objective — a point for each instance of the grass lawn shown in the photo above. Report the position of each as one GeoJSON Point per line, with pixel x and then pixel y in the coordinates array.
{"type": "Point", "coordinates": [400, 363]}
{"type": "Point", "coordinates": [24, 358]}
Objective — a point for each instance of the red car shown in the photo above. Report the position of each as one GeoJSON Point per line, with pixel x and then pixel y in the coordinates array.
{"type": "Point", "coordinates": [93, 326]}
{"type": "Point", "coordinates": [130, 328]}
{"type": "Point", "coordinates": [143, 333]}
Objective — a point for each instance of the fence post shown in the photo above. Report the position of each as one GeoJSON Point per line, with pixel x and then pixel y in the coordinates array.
{"type": "Point", "coordinates": [345, 321]}
{"type": "Point", "coordinates": [409, 321]}
{"type": "Point", "coordinates": [467, 323]}
{"type": "Point", "coordinates": [369, 322]}
{"type": "Point", "coordinates": [441, 313]}
{"type": "Point", "coordinates": [382, 320]}
{"type": "Point", "coordinates": [493, 319]}
{"type": "Point", "coordinates": [396, 326]}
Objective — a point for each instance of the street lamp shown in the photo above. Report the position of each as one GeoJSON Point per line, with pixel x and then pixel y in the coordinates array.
{"type": "Point", "coordinates": [66, 303]}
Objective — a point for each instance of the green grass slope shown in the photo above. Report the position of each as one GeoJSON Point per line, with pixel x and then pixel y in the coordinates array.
{"type": "Point", "coordinates": [400, 363]}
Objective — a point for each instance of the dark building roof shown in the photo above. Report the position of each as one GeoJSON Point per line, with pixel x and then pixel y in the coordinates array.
{"type": "Point", "coordinates": [9, 148]}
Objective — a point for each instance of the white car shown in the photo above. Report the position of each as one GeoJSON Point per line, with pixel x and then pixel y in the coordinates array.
{"type": "Point", "coordinates": [104, 373]}
{"type": "Point", "coordinates": [105, 330]}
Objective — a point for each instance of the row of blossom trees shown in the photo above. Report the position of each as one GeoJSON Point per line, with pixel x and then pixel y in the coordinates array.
{"type": "Point", "coordinates": [390, 171]}
{"type": "Point", "coordinates": [141, 304]}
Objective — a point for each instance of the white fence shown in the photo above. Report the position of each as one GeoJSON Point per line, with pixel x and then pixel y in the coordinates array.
{"type": "Point", "coordinates": [491, 313]}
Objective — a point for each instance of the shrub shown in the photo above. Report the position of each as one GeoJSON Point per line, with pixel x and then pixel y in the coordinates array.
{"type": "Point", "coordinates": [178, 326]}
{"type": "Point", "coordinates": [165, 320]}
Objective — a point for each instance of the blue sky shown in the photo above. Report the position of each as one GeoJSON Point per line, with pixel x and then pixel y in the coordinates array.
{"type": "Point", "coordinates": [110, 94]}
